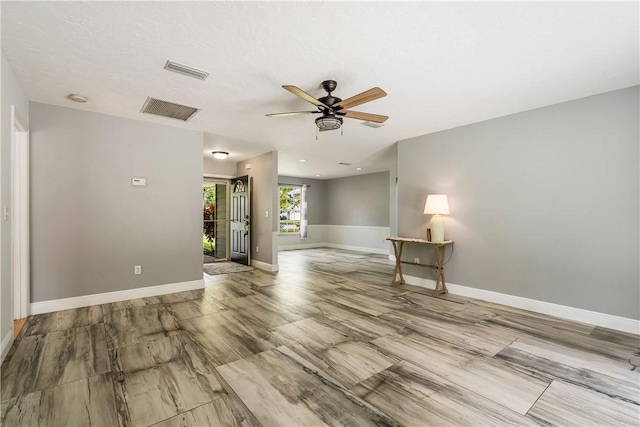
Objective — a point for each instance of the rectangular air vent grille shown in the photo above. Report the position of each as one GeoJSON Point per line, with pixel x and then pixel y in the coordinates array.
{"type": "Point", "coordinates": [372, 125]}
{"type": "Point", "coordinates": [168, 109]}
{"type": "Point", "coordinates": [186, 70]}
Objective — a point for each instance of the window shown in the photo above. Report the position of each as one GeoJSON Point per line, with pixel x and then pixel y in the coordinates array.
{"type": "Point", "coordinates": [290, 208]}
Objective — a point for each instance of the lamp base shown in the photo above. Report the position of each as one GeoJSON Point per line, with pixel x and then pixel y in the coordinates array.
{"type": "Point", "coordinates": [437, 229]}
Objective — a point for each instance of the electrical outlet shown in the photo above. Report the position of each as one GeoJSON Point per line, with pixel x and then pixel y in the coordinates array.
{"type": "Point", "coordinates": [266, 214]}
{"type": "Point", "coordinates": [137, 269]}
{"type": "Point", "coordinates": [416, 260]}
{"type": "Point", "coordinates": [257, 249]}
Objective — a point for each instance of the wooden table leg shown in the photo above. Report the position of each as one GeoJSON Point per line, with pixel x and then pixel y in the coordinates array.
{"type": "Point", "coordinates": [441, 287]}
{"type": "Point", "coordinates": [397, 271]}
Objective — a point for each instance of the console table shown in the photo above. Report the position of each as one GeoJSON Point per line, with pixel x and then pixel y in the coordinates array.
{"type": "Point", "coordinates": [440, 249]}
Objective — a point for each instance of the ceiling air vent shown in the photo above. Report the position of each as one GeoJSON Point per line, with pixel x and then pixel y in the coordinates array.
{"type": "Point", "coordinates": [186, 70]}
{"type": "Point", "coordinates": [168, 109]}
{"type": "Point", "coordinates": [372, 125]}
{"type": "Point", "coordinates": [345, 164]}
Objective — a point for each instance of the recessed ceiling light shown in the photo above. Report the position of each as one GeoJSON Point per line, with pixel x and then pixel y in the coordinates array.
{"type": "Point", "coordinates": [220, 155]}
{"type": "Point", "coordinates": [77, 98]}
{"type": "Point", "coordinates": [317, 175]}
{"type": "Point", "coordinates": [358, 169]}
{"type": "Point", "coordinates": [303, 160]}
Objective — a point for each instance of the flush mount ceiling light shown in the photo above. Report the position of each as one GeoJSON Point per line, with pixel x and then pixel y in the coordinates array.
{"type": "Point", "coordinates": [358, 169]}
{"type": "Point", "coordinates": [77, 98]}
{"type": "Point", "coordinates": [220, 155]}
{"type": "Point", "coordinates": [303, 160]}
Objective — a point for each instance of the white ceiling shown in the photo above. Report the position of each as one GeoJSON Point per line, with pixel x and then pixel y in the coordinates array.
{"type": "Point", "coordinates": [443, 64]}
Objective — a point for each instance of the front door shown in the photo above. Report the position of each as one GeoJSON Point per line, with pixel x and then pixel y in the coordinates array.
{"type": "Point", "coordinates": [240, 220]}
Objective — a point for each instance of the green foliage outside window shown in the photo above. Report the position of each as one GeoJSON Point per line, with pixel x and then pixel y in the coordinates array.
{"type": "Point", "coordinates": [289, 209]}
{"type": "Point", "coordinates": [208, 214]}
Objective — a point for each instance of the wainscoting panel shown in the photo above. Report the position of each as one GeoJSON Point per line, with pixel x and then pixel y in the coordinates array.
{"type": "Point", "coordinates": [351, 237]}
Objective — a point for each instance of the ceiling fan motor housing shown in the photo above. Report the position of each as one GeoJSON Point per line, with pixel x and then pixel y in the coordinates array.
{"type": "Point", "coordinates": [329, 100]}
{"type": "Point", "coordinates": [329, 86]}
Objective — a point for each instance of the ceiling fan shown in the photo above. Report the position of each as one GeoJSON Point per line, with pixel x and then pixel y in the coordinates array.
{"type": "Point", "coordinates": [333, 109]}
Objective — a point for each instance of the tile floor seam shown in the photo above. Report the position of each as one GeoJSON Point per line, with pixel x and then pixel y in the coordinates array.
{"type": "Point", "coordinates": [534, 403]}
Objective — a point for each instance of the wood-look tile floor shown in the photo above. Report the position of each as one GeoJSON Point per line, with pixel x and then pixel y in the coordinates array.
{"type": "Point", "coordinates": [325, 341]}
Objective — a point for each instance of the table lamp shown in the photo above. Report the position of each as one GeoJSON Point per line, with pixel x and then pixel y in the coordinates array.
{"type": "Point", "coordinates": [437, 205]}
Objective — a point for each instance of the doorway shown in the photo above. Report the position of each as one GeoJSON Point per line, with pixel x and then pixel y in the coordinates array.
{"type": "Point", "coordinates": [215, 227]}
{"type": "Point", "coordinates": [240, 221]}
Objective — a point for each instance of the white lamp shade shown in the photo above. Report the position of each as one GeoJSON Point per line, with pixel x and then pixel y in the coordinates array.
{"type": "Point", "coordinates": [436, 204]}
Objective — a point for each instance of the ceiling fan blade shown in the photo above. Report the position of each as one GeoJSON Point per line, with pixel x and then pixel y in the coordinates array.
{"type": "Point", "coordinates": [376, 118]}
{"type": "Point", "coordinates": [304, 95]}
{"type": "Point", "coordinates": [361, 98]}
{"type": "Point", "coordinates": [291, 113]}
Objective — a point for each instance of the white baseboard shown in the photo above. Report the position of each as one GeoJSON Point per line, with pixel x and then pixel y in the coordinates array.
{"type": "Point", "coordinates": [264, 266]}
{"type": "Point", "coordinates": [362, 227]}
{"type": "Point", "coordinates": [383, 251]}
{"type": "Point", "coordinates": [571, 313]}
{"type": "Point", "coordinates": [302, 246]}
{"type": "Point", "coordinates": [108, 297]}
{"type": "Point", "coordinates": [336, 246]}
{"type": "Point", "coordinates": [7, 340]}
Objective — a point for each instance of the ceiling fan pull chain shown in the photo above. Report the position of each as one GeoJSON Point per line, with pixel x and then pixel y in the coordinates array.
{"type": "Point", "coordinates": [316, 133]}
{"type": "Point", "coordinates": [341, 130]}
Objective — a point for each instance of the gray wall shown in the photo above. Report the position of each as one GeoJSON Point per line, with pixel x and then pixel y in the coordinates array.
{"type": "Point", "coordinates": [544, 204]}
{"type": "Point", "coordinates": [264, 197]}
{"type": "Point", "coordinates": [219, 168]}
{"type": "Point", "coordinates": [11, 94]}
{"type": "Point", "coordinates": [316, 200]}
{"type": "Point", "coordinates": [89, 226]}
{"type": "Point", "coordinates": [358, 200]}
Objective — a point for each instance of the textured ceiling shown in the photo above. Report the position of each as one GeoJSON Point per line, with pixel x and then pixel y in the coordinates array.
{"type": "Point", "coordinates": [443, 64]}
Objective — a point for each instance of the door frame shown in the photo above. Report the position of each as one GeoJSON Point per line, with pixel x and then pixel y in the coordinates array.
{"type": "Point", "coordinates": [20, 274]}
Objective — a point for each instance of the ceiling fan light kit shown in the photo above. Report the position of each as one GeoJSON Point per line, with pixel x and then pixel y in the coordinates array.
{"type": "Point", "coordinates": [328, 123]}
{"type": "Point", "coordinates": [333, 108]}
